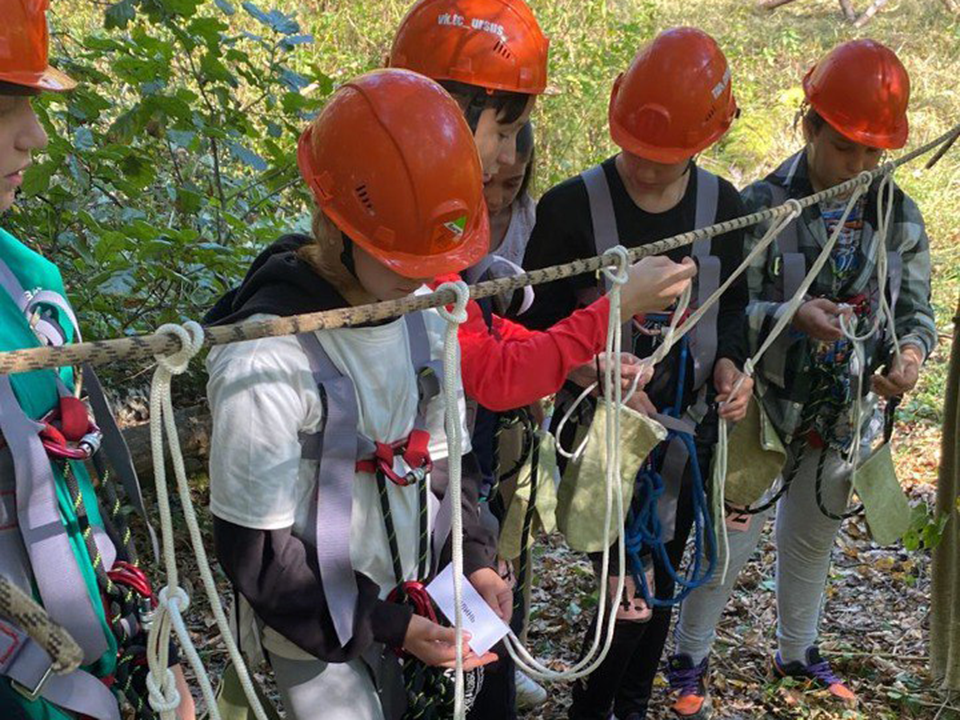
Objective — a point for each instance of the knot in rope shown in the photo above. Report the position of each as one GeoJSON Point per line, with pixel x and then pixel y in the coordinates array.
{"type": "Point", "coordinates": [619, 273]}
{"type": "Point", "coordinates": [458, 313]}
{"type": "Point", "coordinates": [163, 696]}
{"type": "Point", "coordinates": [794, 208]}
{"type": "Point", "coordinates": [190, 336]}
{"type": "Point", "coordinates": [865, 178]}
{"type": "Point", "coordinates": [178, 598]}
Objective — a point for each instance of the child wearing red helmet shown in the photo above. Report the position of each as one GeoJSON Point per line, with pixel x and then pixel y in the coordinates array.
{"type": "Point", "coordinates": [855, 111]}
{"type": "Point", "coordinates": [673, 102]}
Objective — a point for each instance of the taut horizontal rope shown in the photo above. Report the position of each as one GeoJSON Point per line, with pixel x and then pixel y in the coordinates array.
{"type": "Point", "coordinates": [100, 352]}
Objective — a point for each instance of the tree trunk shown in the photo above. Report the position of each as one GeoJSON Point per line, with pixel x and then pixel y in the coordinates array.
{"type": "Point", "coordinates": [945, 573]}
{"type": "Point", "coordinates": [870, 12]}
{"type": "Point", "coordinates": [848, 12]}
{"type": "Point", "coordinates": [194, 425]}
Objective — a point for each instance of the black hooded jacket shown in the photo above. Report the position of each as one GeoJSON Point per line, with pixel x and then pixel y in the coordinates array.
{"type": "Point", "coordinates": [274, 570]}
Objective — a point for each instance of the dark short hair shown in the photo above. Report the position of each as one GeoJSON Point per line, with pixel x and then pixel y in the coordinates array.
{"type": "Point", "coordinates": [526, 151]}
{"type": "Point", "coordinates": [807, 115]}
{"type": "Point", "coordinates": [474, 99]}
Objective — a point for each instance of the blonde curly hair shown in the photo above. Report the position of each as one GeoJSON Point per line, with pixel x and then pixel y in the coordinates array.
{"type": "Point", "coordinates": [324, 256]}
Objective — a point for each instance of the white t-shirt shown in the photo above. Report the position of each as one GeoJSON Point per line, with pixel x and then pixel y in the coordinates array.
{"type": "Point", "coordinates": [262, 396]}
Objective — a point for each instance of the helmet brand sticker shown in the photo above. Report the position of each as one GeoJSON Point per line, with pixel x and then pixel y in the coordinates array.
{"type": "Point", "coordinates": [457, 226]}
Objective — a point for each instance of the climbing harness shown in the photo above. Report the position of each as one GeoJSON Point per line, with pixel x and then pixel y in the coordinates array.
{"type": "Point", "coordinates": [32, 456]}
{"type": "Point", "coordinates": [174, 347]}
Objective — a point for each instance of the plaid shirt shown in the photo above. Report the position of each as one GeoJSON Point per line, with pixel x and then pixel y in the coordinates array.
{"type": "Point", "coordinates": [783, 377]}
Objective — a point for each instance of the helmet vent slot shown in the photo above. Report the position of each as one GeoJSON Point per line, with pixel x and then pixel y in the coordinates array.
{"type": "Point", "coordinates": [363, 195]}
{"type": "Point", "coordinates": [501, 49]}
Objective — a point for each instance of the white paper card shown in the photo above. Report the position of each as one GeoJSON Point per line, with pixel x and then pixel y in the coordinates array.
{"type": "Point", "coordinates": [485, 627]}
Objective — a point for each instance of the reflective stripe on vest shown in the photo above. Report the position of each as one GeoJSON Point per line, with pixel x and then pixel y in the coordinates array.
{"type": "Point", "coordinates": [335, 448]}
{"type": "Point", "coordinates": [703, 338]}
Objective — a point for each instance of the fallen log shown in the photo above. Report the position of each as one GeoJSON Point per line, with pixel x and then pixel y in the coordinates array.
{"type": "Point", "coordinates": [195, 426]}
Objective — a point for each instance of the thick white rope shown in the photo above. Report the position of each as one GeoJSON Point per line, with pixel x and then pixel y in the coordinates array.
{"type": "Point", "coordinates": [173, 599]}
{"type": "Point", "coordinates": [104, 351]}
{"type": "Point", "coordinates": [454, 430]}
{"type": "Point", "coordinates": [883, 316]}
{"type": "Point", "coordinates": [613, 401]}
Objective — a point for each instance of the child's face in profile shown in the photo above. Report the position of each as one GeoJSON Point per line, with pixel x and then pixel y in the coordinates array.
{"type": "Point", "coordinates": [379, 280]}
{"type": "Point", "coordinates": [832, 158]}
{"type": "Point", "coordinates": [497, 140]}
{"type": "Point", "coordinates": [502, 189]}
{"type": "Point", "coordinates": [20, 134]}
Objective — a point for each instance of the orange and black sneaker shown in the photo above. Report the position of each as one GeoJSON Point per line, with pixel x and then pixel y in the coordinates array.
{"type": "Point", "coordinates": [689, 683]}
{"type": "Point", "coordinates": [818, 673]}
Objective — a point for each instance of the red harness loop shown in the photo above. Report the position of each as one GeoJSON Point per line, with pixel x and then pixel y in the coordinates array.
{"type": "Point", "coordinates": [68, 432]}
{"type": "Point", "coordinates": [859, 303]}
{"type": "Point", "coordinates": [414, 451]}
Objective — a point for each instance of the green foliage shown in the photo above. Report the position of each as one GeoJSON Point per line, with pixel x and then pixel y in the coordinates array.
{"type": "Point", "coordinates": [174, 160]}
{"type": "Point", "coordinates": [926, 528]}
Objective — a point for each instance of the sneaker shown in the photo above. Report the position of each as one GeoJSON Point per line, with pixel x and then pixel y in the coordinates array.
{"type": "Point", "coordinates": [817, 672]}
{"type": "Point", "coordinates": [530, 693]}
{"type": "Point", "coordinates": [689, 682]}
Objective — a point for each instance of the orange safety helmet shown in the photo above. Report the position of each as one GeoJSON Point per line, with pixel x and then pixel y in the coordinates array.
{"type": "Point", "coordinates": [675, 99]}
{"type": "Point", "coordinates": [494, 44]}
{"type": "Point", "coordinates": [24, 45]}
{"type": "Point", "coordinates": [393, 164]}
{"type": "Point", "coordinates": [862, 89]}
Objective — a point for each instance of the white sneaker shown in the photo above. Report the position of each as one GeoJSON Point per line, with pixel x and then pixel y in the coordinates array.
{"type": "Point", "coordinates": [530, 693]}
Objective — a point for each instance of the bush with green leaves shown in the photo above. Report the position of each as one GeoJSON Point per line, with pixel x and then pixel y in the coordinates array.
{"type": "Point", "coordinates": [175, 159]}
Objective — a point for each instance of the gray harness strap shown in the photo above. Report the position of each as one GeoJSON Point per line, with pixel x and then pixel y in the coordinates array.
{"type": "Point", "coordinates": [703, 338]}
{"type": "Point", "coordinates": [336, 447]}
{"type": "Point", "coordinates": [793, 262]}
{"type": "Point", "coordinates": [29, 666]}
{"type": "Point", "coordinates": [14, 562]}
{"type": "Point", "coordinates": [605, 235]}
{"type": "Point", "coordinates": [55, 569]}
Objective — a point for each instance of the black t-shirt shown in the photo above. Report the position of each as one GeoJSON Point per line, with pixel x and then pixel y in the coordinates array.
{"type": "Point", "coordinates": [564, 232]}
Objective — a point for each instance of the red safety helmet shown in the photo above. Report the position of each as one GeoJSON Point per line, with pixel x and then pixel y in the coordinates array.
{"type": "Point", "coordinates": [24, 42]}
{"type": "Point", "coordinates": [392, 163]}
{"type": "Point", "coordinates": [494, 44]}
{"type": "Point", "coordinates": [675, 99]}
{"type": "Point", "coordinates": [862, 89]}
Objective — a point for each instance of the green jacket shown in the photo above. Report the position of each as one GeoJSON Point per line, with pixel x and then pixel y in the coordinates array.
{"type": "Point", "coordinates": [37, 394]}
{"type": "Point", "coordinates": [781, 377]}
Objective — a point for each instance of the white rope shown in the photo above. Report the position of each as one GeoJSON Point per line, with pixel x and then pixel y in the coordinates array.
{"type": "Point", "coordinates": [787, 313]}
{"type": "Point", "coordinates": [613, 401]}
{"type": "Point", "coordinates": [454, 430]}
{"type": "Point", "coordinates": [883, 316]}
{"type": "Point", "coordinates": [173, 598]}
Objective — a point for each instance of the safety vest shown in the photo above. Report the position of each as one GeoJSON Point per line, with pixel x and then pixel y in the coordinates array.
{"type": "Point", "coordinates": [54, 538]}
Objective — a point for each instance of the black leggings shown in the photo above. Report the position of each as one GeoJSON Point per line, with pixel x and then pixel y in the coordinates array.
{"type": "Point", "coordinates": [625, 678]}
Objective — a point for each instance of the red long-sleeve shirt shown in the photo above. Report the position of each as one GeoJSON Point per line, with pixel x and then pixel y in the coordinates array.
{"type": "Point", "coordinates": [508, 366]}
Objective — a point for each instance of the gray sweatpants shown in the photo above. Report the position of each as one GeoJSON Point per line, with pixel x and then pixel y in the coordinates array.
{"type": "Point", "coordinates": [316, 690]}
{"type": "Point", "coordinates": [804, 539]}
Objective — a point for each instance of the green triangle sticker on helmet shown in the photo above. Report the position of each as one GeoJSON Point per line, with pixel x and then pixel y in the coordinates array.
{"type": "Point", "coordinates": [457, 226]}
